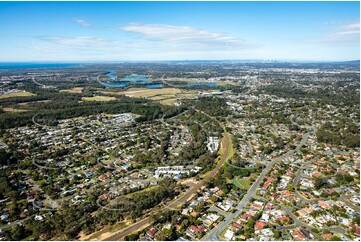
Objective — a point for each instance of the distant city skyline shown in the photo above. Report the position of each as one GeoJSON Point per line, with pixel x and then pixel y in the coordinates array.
{"type": "Point", "coordinates": [161, 31]}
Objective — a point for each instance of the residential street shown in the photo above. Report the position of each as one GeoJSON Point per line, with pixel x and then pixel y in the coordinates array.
{"type": "Point", "coordinates": [215, 233]}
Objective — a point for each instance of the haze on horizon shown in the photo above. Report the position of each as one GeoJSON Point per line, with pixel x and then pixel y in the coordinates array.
{"type": "Point", "coordinates": [136, 31]}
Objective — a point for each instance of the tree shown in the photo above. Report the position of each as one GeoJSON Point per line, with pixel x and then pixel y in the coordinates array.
{"type": "Point", "coordinates": [356, 220]}
{"type": "Point", "coordinates": [290, 188]}
{"type": "Point", "coordinates": [132, 237]}
{"type": "Point", "coordinates": [251, 222]}
{"type": "Point", "coordinates": [277, 234]}
{"type": "Point", "coordinates": [319, 182]}
{"type": "Point", "coordinates": [185, 223]}
{"type": "Point", "coordinates": [18, 232]}
{"type": "Point", "coordinates": [247, 234]}
{"type": "Point", "coordinates": [335, 238]}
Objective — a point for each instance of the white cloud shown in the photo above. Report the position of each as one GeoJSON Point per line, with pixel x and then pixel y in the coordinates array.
{"type": "Point", "coordinates": [88, 42]}
{"type": "Point", "coordinates": [85, 47]}
{"type": "Point", "coordinates": [348, 34]}
{"type": "Point", "coordinates": [156, 42]}
{"type": "Point", "coordinates": [353, 26]}
{"type": "Point", "coordinates": [185, 35]}
{"type": "Point", "coordinates": [83, 23]}
{"type": "Point", "coordinates": [82, 41]}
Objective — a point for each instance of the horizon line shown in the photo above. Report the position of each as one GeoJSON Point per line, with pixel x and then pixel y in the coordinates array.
{"type": "Point", "coordinates": [177, 60]}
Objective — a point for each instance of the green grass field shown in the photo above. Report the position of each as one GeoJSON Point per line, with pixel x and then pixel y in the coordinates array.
{"type": "Point", "coordinates": [243, 184]}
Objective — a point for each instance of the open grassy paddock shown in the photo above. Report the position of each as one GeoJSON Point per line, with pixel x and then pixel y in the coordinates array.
{"type": "Point", "coordinates": [17, 94]}
{"type": "Point", "coordinates": [166, 96]}
{"type": "Point", "coordinates": [73, 90]}
{"type": "Point", "coordinates": [149, 93]}
{"type": "Point", "coordinates": [14, 110]}
{"type": "Point", "coordinates": [99, 98]}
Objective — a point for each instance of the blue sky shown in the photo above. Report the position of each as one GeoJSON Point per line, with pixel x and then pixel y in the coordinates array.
{"type": "Point", "coordinates": [117, 31]}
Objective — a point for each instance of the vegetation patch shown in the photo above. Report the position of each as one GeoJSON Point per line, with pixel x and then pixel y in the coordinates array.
{"type": "Point", "coordinates": [26, 103]}
{"type": "Point", "coordinates": [99, 98]}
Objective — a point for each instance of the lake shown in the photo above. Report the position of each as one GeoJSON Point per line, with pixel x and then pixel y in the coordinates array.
{"type": "Point", "coordinates": [131, 80]}
{"type": "Point", "coordinates": [207, 84]}
{"type": "Point", "coordinates": [144, 80]}
{"type": "Point", "coordinates": [194, 84]}
{"type": "Point", "coordinates": [112, 75]}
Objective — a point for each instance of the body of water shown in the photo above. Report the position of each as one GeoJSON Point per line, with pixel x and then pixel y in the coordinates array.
{"type": "Point", "coordinates": [144, 80]}
{"type": "Point", "coordinates": [207, 84]}
{"type": "Point", "coordinates": [131, 80]}
{"type": "Point", "coordinates": [137, 83]}
{"type": "Point", "coordinates": [154, 85]}
{"type": "Point", "coordinates": [18, 65]}
{"type": "Point", "coordinates": [193, 84]}
{"type": "Point", "coordinates": [112, 75]}
{"type": "Point", "coordinates": [136, 78]}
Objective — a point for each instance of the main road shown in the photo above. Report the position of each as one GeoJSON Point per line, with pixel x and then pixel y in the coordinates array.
{"type": "Point", "coordinates": [141, 224]}
{"type": "Point", "coordinates": [214, 234]}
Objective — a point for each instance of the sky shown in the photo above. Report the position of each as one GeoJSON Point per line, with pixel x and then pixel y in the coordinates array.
{"type": "Point", "coordinates": [138, 31]}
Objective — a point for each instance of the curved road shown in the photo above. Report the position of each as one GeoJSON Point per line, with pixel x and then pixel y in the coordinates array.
{"type": "Point", "coordinates": [40, 84]}
{"type": "Point", "coordinates": [102, 83]}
